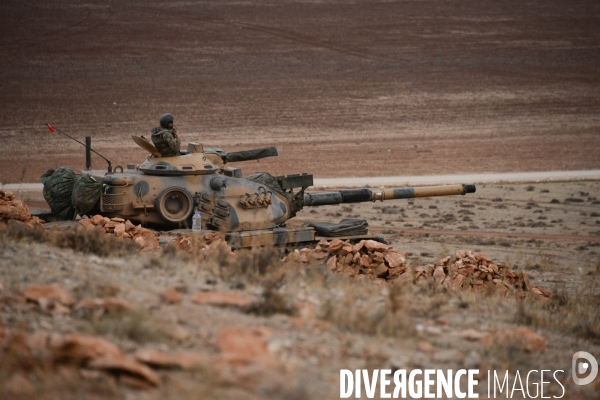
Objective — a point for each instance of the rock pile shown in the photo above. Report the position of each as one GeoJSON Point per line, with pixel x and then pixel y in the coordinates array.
{"type": "Point", "coordinates": [476, 271]}
{"type": "Point", "coordinates": [12, 209]}
{"type": "Point", "coordinates": [213, 244]}
{"type": "Point", "coordinates": [466, 270]}
{"type": "Point", "coordinates": [123, 229]}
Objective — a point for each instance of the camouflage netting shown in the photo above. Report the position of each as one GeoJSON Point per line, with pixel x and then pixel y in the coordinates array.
{"type": "Point", "coordinates": [86, 193]}
{"type": "Point", "coordinates": [266, 179]}
{"type": "Point", "coordinates": [58, 189]}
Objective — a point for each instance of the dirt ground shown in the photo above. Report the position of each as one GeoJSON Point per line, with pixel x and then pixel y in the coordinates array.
{"type": "Point", "coordinates": [342, 89]}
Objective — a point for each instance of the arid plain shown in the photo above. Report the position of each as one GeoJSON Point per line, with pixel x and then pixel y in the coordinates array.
{"type": "Point", "coordinates": [342, 89]}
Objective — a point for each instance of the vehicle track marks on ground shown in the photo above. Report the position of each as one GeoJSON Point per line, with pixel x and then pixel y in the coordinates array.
{"type": "Point", "coordinates": [277, 32]}
{"type": "Point", "coordinates": [62, 33]}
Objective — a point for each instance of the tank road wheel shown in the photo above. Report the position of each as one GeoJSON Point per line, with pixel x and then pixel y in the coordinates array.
{"type": "Point", "coordinates": [175, 205]}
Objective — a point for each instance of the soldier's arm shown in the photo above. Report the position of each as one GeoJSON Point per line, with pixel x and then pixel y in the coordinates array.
{"type": "Point", "coordinates": [173, 142]}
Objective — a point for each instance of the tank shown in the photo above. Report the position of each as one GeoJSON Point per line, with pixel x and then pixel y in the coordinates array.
{"type": "Point", "coordinates": [253, 210]}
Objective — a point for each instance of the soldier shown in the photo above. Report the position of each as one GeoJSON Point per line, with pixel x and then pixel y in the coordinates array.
{"type": "Point", "coordinates": [165, 137]}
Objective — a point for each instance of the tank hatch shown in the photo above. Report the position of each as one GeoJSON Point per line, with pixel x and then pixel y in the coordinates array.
{"type": "Point", "coordinates": [194, 161]}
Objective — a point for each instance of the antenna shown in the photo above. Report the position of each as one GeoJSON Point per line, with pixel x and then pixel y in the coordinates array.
{"type": "Point", "coordinates": [52, 129]}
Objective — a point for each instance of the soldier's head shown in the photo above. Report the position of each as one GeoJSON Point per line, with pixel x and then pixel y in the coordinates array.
{"type": "Point", "coordinates": [166, 121]}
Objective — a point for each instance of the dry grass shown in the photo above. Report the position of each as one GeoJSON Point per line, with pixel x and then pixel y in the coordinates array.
{"type": "Point", "coordinates": [75, 237]}
{"type": "Point", "coordinates": [130, 325]}
{"type": "Point", "coordinates": [576, 315]}
{"type": "Point", "coordinates": [364, 308]}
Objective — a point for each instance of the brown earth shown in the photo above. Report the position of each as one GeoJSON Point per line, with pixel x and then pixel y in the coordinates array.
{"type": "Point", "coordinates": [342, 88]}
{"type": "Point", "coordinates": [446, 87]}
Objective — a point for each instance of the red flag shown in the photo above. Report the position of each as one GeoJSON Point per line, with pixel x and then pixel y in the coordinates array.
{"type": "Point", "coordinates": [50, 127]}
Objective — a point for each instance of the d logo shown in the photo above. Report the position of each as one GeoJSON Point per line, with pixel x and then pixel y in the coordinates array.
{"type": "Point", "coordinates": [580, 367]}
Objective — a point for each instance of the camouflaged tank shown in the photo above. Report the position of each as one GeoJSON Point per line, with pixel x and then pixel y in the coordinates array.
{"type": "Point", "coordinates": [165, 191]}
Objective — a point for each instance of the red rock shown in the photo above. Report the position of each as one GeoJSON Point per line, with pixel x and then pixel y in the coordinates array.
{"type": "Point", "coordinates": [81, 348]}
{"type": "Point", "coordinates": [472, 334]}
{"type": "Point", "coordinates": [443, 261]}
{"type": "Point", "coordinates": [420, 271]}
{"type": "Point", "coordinates": [395, 259]}
{"type": "Point", "coordinates": [357, 247]}
{"type": "Point", "coordinates": [336, 245]}
{"type": "Point", "coordinates": [405, 278]}
{"type": "Point", "coordinates": [170, 296]}
{"type": "Point", "coordinates": [119, 230]}
{"type": "Point", "coordinates": [332, 262]}
{"type": "Point", "coordinates": [243, 344]}
{"type": "Point", "coordinates": [381, 270]}
{"type": "Point", "coordinates": [318, 255]}
{"type": "Point", "coordinates": [439, 275]}
{"type": "Point", "coordinates": [372, 245]}
{"type": "Point", "coordinates": [121, 363]}
{"type": "Point", "coordinates": [348, 259]}
{"type": "Point", "coordinates": [98, 220]}
{"type": "Point", "coordinates": [521, 338]}
{"type": "Point", "coordinates": [461, 253]}
{"type": "Point", "coordinates": [111, 304]}
{"type": "Point", "coordinates": [479, 288]}
{"type": "Point", "coordinates": [45, 293]}
{"type": "Point", "coordinates": [245, 361]}
{"type": "Point", "coordinates": [117, 219]}
{"type": "Point", "coordinates": [536, 291]}
{"type": "Point", "coordinates": [324, 244]}
{"type": "Point", "coordinates": [425, 347]}
{"type": "Point", "coordinates": [129, 226]}
{"type": "Point", "coordinates": [86, 222]}
{"type": "Point", "coordinates": [134, 382]}
{"type": "Point", "coordinates": [14, 209]}
{"type": "Point", "coordinates": [395, 272]}
{"type": "Point", "coordinates": [346, 249]}
{"type": "Point", "coordinates": [376, 259]}
{"type": "Point", "coordinates": [188, 360]}
{"type": "Point", "coordinates": [110, 225]}
{"type": "Point", "coordinates": [483, 257]}
{"type": "Point", "coordinates": [545, 291]}
{"type": "Point", "coordinates": [364, 261]}
{"type": "Point", "coordinates": [527, 284]}
{"type": "Point", "coordinates": [222, 299]}
{"type": "Point", "coordinates": [146, 239]}
{"type": "Point", "coordinates": [458, 281]}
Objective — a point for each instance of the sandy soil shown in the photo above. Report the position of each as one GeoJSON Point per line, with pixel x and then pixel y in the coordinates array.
{"type": "Point", "coordinates": [342, 89]}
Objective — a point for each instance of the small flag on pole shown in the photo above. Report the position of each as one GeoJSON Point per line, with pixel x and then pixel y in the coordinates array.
{"type": "Point", "coordinates": [50, 127]}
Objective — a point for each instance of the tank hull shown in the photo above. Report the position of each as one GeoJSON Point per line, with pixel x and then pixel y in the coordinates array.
{"type": "Point", "coordinates": [169, 201]}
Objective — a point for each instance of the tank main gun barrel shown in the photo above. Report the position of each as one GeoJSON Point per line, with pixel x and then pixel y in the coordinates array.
{"type": "Point", "coordinates": [247, 155]}
{"type": "Point", "coordinates": [365, 194]}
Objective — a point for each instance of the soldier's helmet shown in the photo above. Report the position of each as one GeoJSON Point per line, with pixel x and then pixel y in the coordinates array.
{"type": "Point", "coordinates": [167, 119]}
